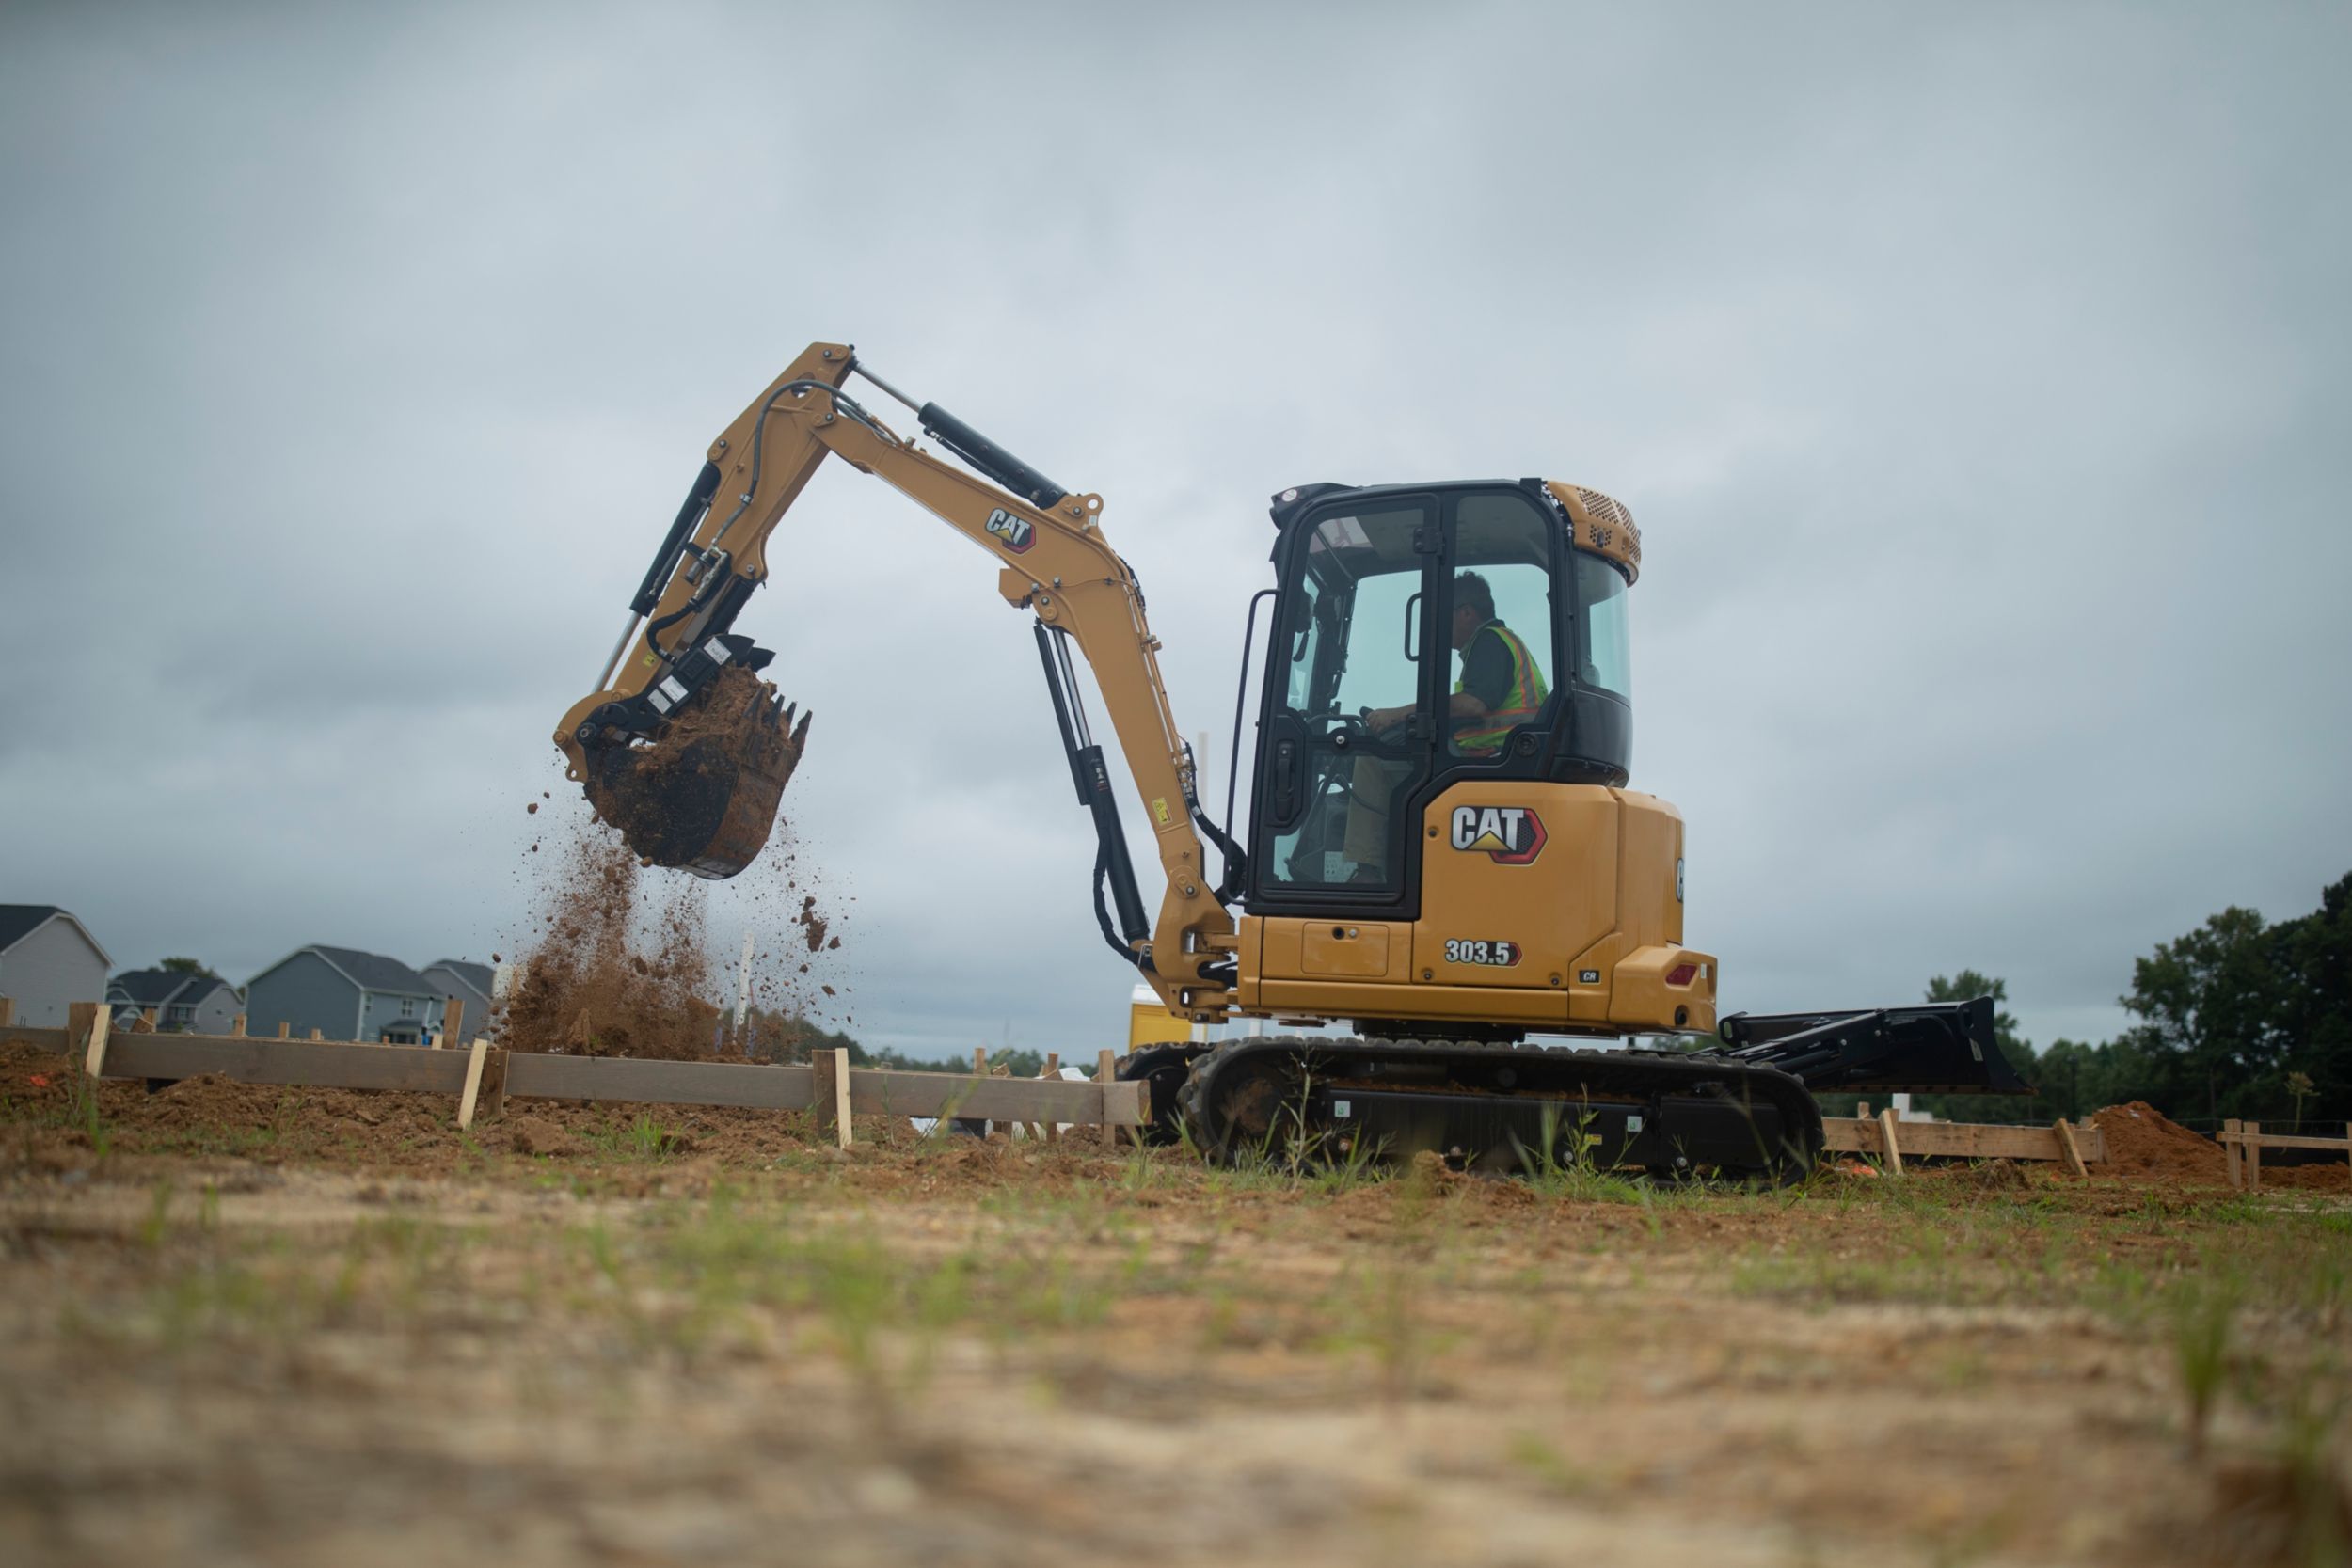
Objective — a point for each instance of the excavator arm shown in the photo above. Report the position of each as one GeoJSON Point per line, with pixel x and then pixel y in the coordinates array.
{"type": "Point", "coordinates": [687, 754]}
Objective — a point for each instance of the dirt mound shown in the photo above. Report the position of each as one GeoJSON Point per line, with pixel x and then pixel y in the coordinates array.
{"type": "Point", "coordinates": [2145, 1143]}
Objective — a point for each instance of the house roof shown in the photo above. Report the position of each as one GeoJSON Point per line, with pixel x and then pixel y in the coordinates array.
{"type": "Point", "coordinates": [148, 987]}
{"type": "Point", "coordinates": [19, 921]}
{"type": "Point", "coordinates": [476, 976]}
{"type": "Point", "coordinates": [375, 971]}
{"type": "Point", "coordinates": [157, 988]}
{"type": "Point", "coordinates": [368, 970]}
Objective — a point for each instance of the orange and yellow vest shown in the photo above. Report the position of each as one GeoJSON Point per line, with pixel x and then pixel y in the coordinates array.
{"type": "Point", "coordinates": [1519, 704]}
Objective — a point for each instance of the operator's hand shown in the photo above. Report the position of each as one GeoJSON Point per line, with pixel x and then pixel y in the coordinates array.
{"type": "Point", "coordinates": [1380, 720]}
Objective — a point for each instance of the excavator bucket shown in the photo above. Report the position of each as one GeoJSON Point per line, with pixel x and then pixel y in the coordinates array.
{"type": "Point", "coordinates": [701, 792]}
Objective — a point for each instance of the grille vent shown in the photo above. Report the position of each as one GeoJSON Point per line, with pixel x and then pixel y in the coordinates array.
{"type": "Point", "coordinates": [1609, 513]}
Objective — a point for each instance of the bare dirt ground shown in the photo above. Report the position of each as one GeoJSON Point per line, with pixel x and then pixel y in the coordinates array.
{"type": "Point", "coordinates": [255, 1325]}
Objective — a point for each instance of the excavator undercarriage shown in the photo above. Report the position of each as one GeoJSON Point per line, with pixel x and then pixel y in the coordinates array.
{"type": "Point", "coordinates": [1740, 1108]}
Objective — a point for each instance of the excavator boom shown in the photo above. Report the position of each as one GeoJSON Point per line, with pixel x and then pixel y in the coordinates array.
{"type": "Point", "coordinates": [687, 753]}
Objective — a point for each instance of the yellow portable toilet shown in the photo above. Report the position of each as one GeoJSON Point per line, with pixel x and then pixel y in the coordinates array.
{"type": "Point", "coordinates": [1150, 1022]}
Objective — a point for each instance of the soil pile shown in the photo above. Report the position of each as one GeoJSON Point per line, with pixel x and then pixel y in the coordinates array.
{"type": "Point", "coordinates": [599, 981]}
{"type": "Point", "coordinates": [2145, 1143]}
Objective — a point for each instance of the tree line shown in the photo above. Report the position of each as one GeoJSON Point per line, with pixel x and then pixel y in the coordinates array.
{"type": "Point", "coordinates": [2240, 1017]}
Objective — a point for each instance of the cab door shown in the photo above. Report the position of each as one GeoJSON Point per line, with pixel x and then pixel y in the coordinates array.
{"type": "Point", "coordinates": [1335, 822]}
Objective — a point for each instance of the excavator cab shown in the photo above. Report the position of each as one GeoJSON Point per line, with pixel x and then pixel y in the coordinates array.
{"type": "Point", "coordinates": [1441, 835]}
{"type": "Point", "coordinates": [1426, 636]}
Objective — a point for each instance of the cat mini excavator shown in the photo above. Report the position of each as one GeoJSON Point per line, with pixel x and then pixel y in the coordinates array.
{"type": "Point", "coordinates": [1442, 853]}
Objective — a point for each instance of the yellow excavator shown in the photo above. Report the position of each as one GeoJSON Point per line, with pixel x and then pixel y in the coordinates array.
{"type": "Point", "coordinates": [1442, 854]}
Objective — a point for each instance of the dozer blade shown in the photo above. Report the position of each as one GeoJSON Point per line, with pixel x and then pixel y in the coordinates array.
{"type": "Point", "coordinates": [702, 795]}
{"type": "Point", "coordinates": [1947, 1047]}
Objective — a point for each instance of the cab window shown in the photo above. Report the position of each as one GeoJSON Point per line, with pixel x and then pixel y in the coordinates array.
{"type": "Point", "coordinates": [1498, 620]}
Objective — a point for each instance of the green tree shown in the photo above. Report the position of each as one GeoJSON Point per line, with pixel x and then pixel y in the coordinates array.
{"type": "Point", "coordinates": [189, 966]}
{"type": "Point", "coordinates": [2212, 1006]}
{"type": "Point", "coordinates": [2314, 959]}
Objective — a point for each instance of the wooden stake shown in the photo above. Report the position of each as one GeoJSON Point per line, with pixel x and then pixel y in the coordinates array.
{"type": "Point", "coordinates": [841, 1094]}
{"type": "Point", "coordinates": [452, 1013]}
{"type": "Point", "coordinates": [494, 1083]}
{"type": "Point", "coordinates": [821, 1089]}
{"type": "Point", "coordinates": [285, 1030]}
{"type": "Point", "coordinates": [2066, 1146]}
{"type": "Point", "coordinates": [148, 1015]}
{"type": "Point", "coordinates": [472, 1092]}
{"type": "Point", "coordinates": [2233, 1152]}
{"type": "Point", "coordinates": [316, 1035]}
{"type": "Point", "coordinates": [8, 1011]}
{"type": "Point", "coordinates": [1106, 1070]}
{"type": "Point", "coordinates": [236, 1024]}
{"type": "Point", "coordinates": [1053, 1069]}
{"type": "Point", "coordinates": [2253, 1135]}
{"type": "Point", "coordinates": [1887, 1130]}
{"type": "Point", "coordinates": [829, 1092]}
{"type": "Point", "coordinates": [88, 1022]}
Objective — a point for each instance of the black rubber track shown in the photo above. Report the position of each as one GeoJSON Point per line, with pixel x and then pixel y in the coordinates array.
{"type": "Point", "coordinates": [1627, 1074]}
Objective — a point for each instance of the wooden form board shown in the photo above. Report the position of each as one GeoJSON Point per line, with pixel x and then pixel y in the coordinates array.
{"type": "Point", "coordinates": [533, 1075]}
{"type": "Point", "coordinates": [1958, 1139]}
{"type": "Point", "coordinates": [306, 1064]}
{"type": "Point", "coordinates": [872, 1091]}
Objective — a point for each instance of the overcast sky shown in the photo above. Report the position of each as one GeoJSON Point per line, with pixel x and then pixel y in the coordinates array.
{"type": "Point", "coordinates": [1978, 376]}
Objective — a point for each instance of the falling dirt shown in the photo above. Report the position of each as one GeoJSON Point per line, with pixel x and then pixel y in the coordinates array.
{"type": "Point", "coordinates": [812, 925]}
{"type": "Point", "coordinates": [597, 984]}
{"type": "Point", "coordinates": [618, 959]}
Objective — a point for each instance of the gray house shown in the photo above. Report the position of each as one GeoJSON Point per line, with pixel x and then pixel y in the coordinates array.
{"type": "Point", "coordinates": [471, 984]}
{"type": "Point", "coordinates": [345, 994]}
{"type": "Point", "coordinates": [183, 1003]}
{"type": "Point", "coordinates": [47, 959]}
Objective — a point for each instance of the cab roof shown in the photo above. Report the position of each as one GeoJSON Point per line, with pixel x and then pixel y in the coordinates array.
{"type": "Point", "coordinates": [1596, 522]}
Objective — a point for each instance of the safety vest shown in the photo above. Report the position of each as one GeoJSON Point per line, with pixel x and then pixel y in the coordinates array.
{"type": "Point", "coordinates": [1519, 704]}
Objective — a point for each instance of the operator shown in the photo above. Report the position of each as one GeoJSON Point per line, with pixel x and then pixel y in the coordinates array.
{"type": "Point", "coordinates": [1502, 687]}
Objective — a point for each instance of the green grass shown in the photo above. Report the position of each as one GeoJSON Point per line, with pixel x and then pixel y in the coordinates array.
{"type": "Point", "coordinates": [644, 1141]}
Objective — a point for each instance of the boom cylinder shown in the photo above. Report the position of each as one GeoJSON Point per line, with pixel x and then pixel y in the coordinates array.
{"type": "Point", "coordinates": [987, 456]}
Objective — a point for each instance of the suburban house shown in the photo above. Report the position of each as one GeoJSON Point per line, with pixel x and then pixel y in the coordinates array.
{"type": "Point", "coordinates": [183, 1002]}
{"type": "Point", "coordinates": [471, 983]}
{"type": "Point", "coordinates": [47, 959]}
{"type": "Point", "coordinates": [345, 995]}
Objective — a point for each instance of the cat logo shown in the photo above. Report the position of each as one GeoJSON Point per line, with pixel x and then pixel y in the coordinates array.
{"type": "Point", "coordinates": [1510, 836]}
{"type": "Point", "coordinates": [1018, 534]}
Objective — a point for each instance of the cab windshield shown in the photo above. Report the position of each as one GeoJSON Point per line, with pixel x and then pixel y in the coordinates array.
{"type": "Point", "coordinates": [1604, 643]}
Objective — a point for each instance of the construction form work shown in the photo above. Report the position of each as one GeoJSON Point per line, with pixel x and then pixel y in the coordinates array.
{"type": "Point", "coordinates": [1443, 854]}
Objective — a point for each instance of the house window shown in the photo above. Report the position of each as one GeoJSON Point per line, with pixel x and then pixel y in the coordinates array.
{"type": "Point", "coordinates": [408, 1006]}
{"type": "Point", "coordinates": [180, 1012]}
